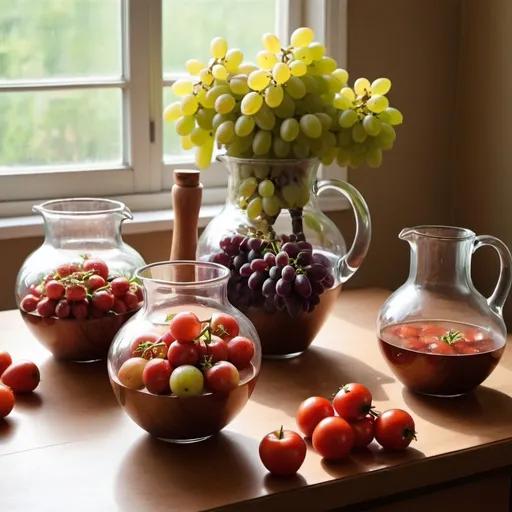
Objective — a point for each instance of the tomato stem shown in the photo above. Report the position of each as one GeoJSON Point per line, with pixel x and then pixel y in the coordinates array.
{"type": "Point", "coordinates": [372, 412]}
{"type": "Point", "coordinates": [280, 433]}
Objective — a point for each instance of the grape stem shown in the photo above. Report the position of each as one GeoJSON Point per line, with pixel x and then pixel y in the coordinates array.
{"type": "Point", "coordinates": [297, 223]}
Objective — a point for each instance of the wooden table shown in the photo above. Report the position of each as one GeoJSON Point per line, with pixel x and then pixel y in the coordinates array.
{"type": "Point", "coordinates": [70, 447]}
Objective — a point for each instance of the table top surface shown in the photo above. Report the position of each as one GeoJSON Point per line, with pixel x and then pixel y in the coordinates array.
{"type": "Point", "coordinates": [69, 445]}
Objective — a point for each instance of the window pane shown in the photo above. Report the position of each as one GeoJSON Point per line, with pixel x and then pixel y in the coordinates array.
{"type": "Point", "coordinates": [60, 38]}
{"type": "Point", "coordinates": [60, 127]}
{"type": "Point", "coordinates": [190, 25]}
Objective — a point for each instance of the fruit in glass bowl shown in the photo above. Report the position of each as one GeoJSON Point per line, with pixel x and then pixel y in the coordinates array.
{"type": "Point", "coordinates": [76, 310]}
{"type": "Point", "coordinates": [186, 366]}
{"type": "Point", "coordinates": [440, 358]}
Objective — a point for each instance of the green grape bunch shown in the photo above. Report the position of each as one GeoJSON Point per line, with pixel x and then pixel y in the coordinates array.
{"type": "Point", "coordinates": [294, 104]}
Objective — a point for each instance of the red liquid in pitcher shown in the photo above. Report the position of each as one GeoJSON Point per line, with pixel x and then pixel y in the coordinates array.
{"type": "Point", "coordinates": [440, 358]}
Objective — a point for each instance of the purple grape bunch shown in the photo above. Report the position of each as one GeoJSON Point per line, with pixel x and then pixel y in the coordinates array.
{"type": "Point", "coordinates": [274, 274]}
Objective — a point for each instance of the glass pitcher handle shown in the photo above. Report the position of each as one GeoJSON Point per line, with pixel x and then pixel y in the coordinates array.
{"type": "Point", "coordinates": [348, 264]}
{"type": "Point", "coordinates": [500, 293]}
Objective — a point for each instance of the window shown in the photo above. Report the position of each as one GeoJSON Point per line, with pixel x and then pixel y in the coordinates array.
{"type": "Point", "coordinates": [83, 84]}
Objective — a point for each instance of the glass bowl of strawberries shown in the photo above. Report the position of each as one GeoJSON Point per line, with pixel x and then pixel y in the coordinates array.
{"type": "Point", "coordinates": [78, 289]}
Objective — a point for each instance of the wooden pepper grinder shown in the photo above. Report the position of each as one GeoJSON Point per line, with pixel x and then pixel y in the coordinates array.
{"type": "Point", "coordinates": [187, 193]}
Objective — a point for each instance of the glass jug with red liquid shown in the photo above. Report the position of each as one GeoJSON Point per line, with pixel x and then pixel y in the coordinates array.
{"type": "Point", "coordinates": [438, 334]}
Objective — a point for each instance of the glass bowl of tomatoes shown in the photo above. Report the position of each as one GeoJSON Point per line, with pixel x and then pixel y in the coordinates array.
{"type": "Point", "coordinates": [186, 366]}
{"type": "Point", "coordinates": [78, 288]}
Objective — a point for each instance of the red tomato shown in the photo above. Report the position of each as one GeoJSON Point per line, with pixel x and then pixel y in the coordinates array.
{"type": "Point", "coordinates": [473, 334]}
{"type": "Point", "coordinates": [76, 292]}
{"type": "Point", "coordinates": [224, 326]}
{"type": "Point", "coordinates": [441, 347]}
{"type": "Point", "coordinates": [156, 376]}
{"type": "Point", "coordinates": [98, 266]}
{"type": "Point", "coordinates": [149, 337]}
{"type": "Point", "coordinates": [55, 290]}
{"type": "Point", "coordinates": [5, 361]}
{"type": "Point", "coordinates": [461, 347]}
{"type": "Point", "coordinates": [62, 309]}
{"type": "Point", "coordinates": [119, 307]}
{"type": "Point", "coordinates": [131, 300]}
{"type": "Point", "coordinates": [120, 285]}
{"type": "Point", "coordinates": [363, 431]}
{"type": "Point", "coordinates": [6, 401]}
{"type": "Point", "coordinates": [410, 330]}
{"type": "Point", "coordinates": [79, 309]}
{"type": "Point", "coordinates": [167, 338]}
{"type": "Point", "coordinates": [103, 300]}
{"type": "Point", "coordinates": [94, 282]}
{"type": "Point", "coordinates": [283, 452]}
{"type": "Point", "coordinates": [222, 377]}
{"type": "Point", "coordinates": [433, 330]}
{"type": "Point", "coordinates": [415, 344]}
{"type": "Point", "coordinates": [46, 307]}
{"type": "Point", "coordinates": [241, 351]}
{"type": "Point", "coordinates": [333, 438]}
{"type": "Point", "coordinates": [311, 412]}
{"type": "Point", "coordinates": [484, 345]}
{"type": "Point", "coordinates": [180, 354]}
{"type": "Point", "coordinates": [29, 303]}
{"type": "Point", "coordinates": [394, 429]}
{"type": "Point", "coordinates": [21, 377]}
{"type": "Point", "coordinates": [352, 402]}
{"type": "Point", "coordinates": [185, 327]}
{"type": "Point", "coordinates": [216, 350]}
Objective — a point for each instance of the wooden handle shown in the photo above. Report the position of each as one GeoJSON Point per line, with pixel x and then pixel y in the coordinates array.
{"type": "Point", "coordinates": [186, 199]}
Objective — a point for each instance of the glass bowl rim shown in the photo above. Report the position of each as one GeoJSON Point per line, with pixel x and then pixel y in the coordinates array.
{"type": "Point", "coordinates": [223, 278]}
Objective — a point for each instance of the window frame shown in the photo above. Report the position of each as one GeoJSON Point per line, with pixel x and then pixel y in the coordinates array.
{"type": "Point", "coordinates": [144, 182]}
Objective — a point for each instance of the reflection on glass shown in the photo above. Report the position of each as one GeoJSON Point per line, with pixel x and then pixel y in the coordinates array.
{"type": "Point", "coordinates": [71, 127]}
{"type": "Point", "coordinates": [190, 25]}
{"type": "Point", "coordinates": [48, 39]}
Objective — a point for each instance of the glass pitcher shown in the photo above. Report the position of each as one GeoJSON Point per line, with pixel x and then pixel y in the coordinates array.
{"type": "Point", "coordinates": [65, 289]}
{"type": "Point", "coordinates": [438, 334]}
{"type": "Point", "coordinates": [166, 382]}
{"type": "Point", "coordinates": [271, 208]}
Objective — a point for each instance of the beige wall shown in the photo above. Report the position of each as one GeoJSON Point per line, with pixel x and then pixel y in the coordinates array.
{"type": "Point", "coordinates": [417, 45]}
{"type": "Point", "coordinates": [482, 186]}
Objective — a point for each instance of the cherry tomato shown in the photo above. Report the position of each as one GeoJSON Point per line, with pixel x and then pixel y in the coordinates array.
{"type": "Point", "coordinates": [333, 438]}
{"type": "Point", "coordinates": [46, 307]}
{"type": "Point", "coordinates": [156, 376]}
{"type": "Point", "coordinates": [484, 345]}
{"type": "Point", "coordinates": [6, 401]}
{"type": "Point", "coordinates": [167, 338]}
{"type": "Point", "coordinates": [241, 351]}
{"type": "Point", "coordinates": [363, 431]}
{"type": "Point", "coordinates": [54, 290]}
{"type": "Point", "coordinates": [352, 402]}
{"type": "Point", "coordinates": [120, 285]}
{"type": "Point", "coordinates": [130, 373]}
{"type": "Point", "coordinates": [472, 334]}
{"type": "Point", "coordinates": [283, 452]}
{"type": "Point", "coordinates": [76, 292]}
{"type": "Point", "coordinates": [95, 282]}
{"type": "Point", "coordinates": [131, 301]}
{"type": "Point", "coordinates": [216, 350]}
{"type": "Point", "coordinates": [119, 307]}
{"type": "Point", "coordinates": [415, 344]}
{"type": "Point", "coordinates": [185, 327]}
{"type": "Point", "coordinates": [410, 330]}
{"type": "Point", "coordinates": [311, 412]}
{"type": "Point", "coordinates": [433, 330]}
{"type": "Point", "coordinates": [441, 347]}
{"type": "Point", "coordinates": [222, 377]}
{"type": "Point", "coordinates": [149, 337]}
{"type": "Point", "coordinates": [225, 326]}
{"type": "Point", "coordinates": [98, 266]}
{"type": "Point", "coordinates": [29, 303]}
{"type": "Point", "coordinates": [394, 429]}
{"type": "Point", "coordinates": [461, 347]}
{"type": "Point", "coordinates": [103, 300]}
{"type": "Point", "coordinates": [79, 309]}
{"type": "Point", "coordinates": [180, 354]}
{"type": "Point", "coordinates": [62, 309]}
{"type": "Point", "coordinates": [36, 290]}
{"type": "Point", "coordinates": [135, 288]}
{"type": "Point", "coordinates": [5, 361]}
{"type": "Point", "coordinates": [64, 270]}
{"type": "Point", "coordinates": [21, 377]}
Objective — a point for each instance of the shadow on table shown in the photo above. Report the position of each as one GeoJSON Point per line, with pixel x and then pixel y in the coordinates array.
{"type": "Point", "coordinates": [89, 381]}
{"type": "Point", "coordinates": [155, 475]}
{"type": "Point", "coordinates": [319, 371]}
{"type": "Point", "coordinates": [482, 408]}
{"type": "Point", "coordinates": [368, 459]}
{"type": "Point", "coordinates": [7, 428]}
{"type": "Point", "coordinates": [28, 401]}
